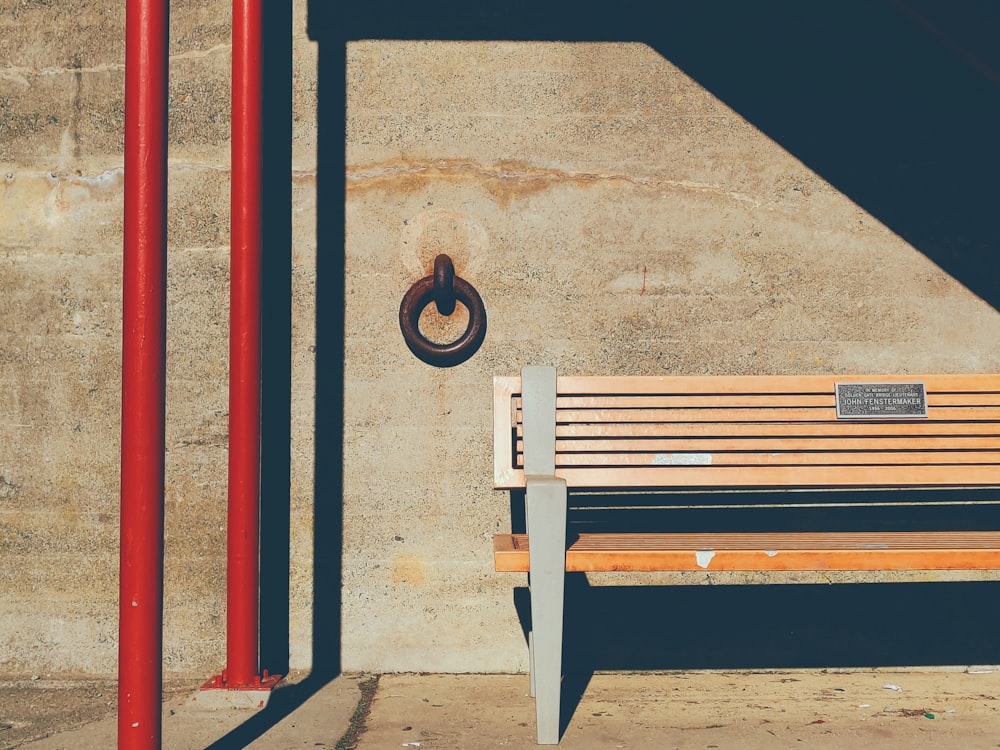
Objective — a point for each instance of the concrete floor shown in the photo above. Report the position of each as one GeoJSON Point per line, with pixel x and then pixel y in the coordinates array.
{"type": "Point", "coordinates": [751, 711]}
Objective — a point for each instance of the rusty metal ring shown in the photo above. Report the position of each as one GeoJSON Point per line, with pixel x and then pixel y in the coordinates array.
{"type": "Point", "coordinates": [422, 294]}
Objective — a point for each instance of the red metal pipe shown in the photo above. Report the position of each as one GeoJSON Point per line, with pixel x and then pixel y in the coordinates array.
{"type": "Point", "coordinates": [243, 544]}
{"type": "Point", "coordinates": [140, 628]}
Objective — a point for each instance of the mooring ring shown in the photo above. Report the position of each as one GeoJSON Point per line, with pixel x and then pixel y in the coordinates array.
{"type": "Point", "coordinates": [422, 294]}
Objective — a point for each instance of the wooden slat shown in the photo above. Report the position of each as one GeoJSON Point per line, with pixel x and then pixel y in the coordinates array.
{"type": "Point", "coordinates": [784, 458]}
{"type": "Point", "coordinates": [710, 445]}
{"type": "Point", "coordinates": [695, 401]}
{"type": "Point", "coordinates": [759, 552]}
{"type": "Point", "coordinates": [610, 401]}
{"type": "Point", "coordinates": [717, 414]}
{"type": "Point", "coordinates": [758, 429]}
{"type": "Point", "coordinates": [644, 385]}
{"type": "Point", "coordinates": [753, 414]}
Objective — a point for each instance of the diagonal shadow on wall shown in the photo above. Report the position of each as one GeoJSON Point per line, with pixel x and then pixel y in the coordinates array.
{"type": "Point", "coordinates": [895, 103]}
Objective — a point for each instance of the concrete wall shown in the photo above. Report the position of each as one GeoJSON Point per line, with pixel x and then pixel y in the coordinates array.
{"type": "Point", "coordinates": [61, 143]}
{"type": "Point", "coordinates": [614, 215]}
{"type": "Point", "coordinates": [616, 218]}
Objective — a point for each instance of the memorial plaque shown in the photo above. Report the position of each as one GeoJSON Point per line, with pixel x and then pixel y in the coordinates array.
{"type": "Point", "coordinates": [881, 401]}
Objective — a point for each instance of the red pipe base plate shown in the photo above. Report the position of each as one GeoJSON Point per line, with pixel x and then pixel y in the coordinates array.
{"type": "Point", "coordinates": [265, 682]}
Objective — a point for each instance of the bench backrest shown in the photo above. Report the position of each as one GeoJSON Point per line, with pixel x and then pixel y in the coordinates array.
{"type": "Point", "coordinates": [754, 432]}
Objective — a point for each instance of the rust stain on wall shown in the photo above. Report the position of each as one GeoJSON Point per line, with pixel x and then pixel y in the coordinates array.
{"type": "Point", "coordinates": [505, 181]}
{"type": "Point", "coordinates": [509, 180]}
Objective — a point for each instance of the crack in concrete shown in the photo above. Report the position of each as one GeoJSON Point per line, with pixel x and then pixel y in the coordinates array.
{"type": "Point", "coordinates": [114, 174]}
{"type": "Point", "coordinates": [20, 74]}
{"type": "Point", "coordinates": [195, 166]}
{"type": "Point", "coordinates": [198, 54]}
{"type": "Point", "coordinates": [105, 179]}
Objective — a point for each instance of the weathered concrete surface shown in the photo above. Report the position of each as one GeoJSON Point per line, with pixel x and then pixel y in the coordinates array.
{"type": "Point", "coordinates": [61, 189]}
{"type": "Point", "coordinates": [60, 244]}
{"type": "Point", "coordinates": [759, 711]}
{"type": "Point", "coordinates": [298, 715]}
{"type": "Point", "coordinates": [615, 216]}
{"type": "Point", "coordinates": [696, 710]}
{"type": "Point", "coordinates": [35, 708]}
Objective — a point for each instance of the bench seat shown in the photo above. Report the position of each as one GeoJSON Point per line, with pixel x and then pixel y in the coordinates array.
{"type": "Point", "coordinates": [813, 551]}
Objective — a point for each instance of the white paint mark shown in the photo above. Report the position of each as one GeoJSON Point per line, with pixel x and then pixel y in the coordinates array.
{"type": "Point", "coordinates": [135, 724]}
{"type": "Point", "coordinates": [771, 552]}
{"type": "Point", "coordinates": [135, 603]}
{"type": "Point", "coordinates": [703, 557]}
{"type": "Point", "coordinates": [682, 459]}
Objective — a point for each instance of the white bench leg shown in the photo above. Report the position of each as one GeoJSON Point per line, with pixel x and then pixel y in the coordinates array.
{"type": "Point", "coordinates": [546, 507]}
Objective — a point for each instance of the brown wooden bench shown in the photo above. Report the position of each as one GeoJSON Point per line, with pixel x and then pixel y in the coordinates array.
{"type": "Point", "coordinates": [745, 434]}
